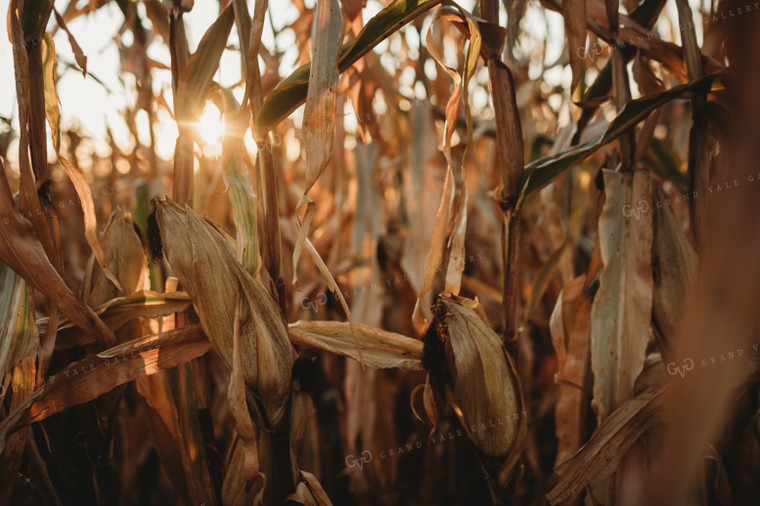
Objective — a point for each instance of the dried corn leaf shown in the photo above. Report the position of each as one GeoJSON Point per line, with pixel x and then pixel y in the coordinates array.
{"type": "Point", "coordinates": [166, 433]}
{"type": "Point", "coordinates": [541, 172]}
{"type": "Point", "coordinates": [309, 492]}
{"type": "Point", "coordinates": [574, 13]}
{"type": "Point", "coordinates": [303, 241]}
{"type": "Point", "coordinates": [78, 53]}
{"type": "Point", "coordinates": [570, 329]}
{"type": "Point", "coordinates": [99, 373]}
{"type": "Point", "coordinates": [90, 221]}
{"type": "Point", "coordinates": [52, 104]}
{"type": "Point", "coordinates": [17, 317]}
{"type": "Point", "coordinates": [241, 193]}
{"type": "Point", "coordinates": [202, 65]}
{"type": "Point", "coordinates": [599, 457]}
{"type": "Point", "coordinates": [319, 112]}
{"type": "Point", "coordinates": [543, 278]}
{"type": "Point", "coordinates": [381, 349]}
{"type": "Point", "coordinates": [451, 219]}
{"type": "Point", "coordinates": [622, 310]}
{"type": "Point", "coordinates": [675, 264]}
{"type": "Point", "coordinates": [292, 91]}
{"type": "Point", "coordinates": [123, 254]}
{"type": "Point", "coordinates": [117, 312]}
{"type": "Point", "coordinates": [21, 251]}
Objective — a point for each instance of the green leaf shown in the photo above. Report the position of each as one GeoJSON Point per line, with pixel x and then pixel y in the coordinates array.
{"type": "Point", "coordinates": [291, 92]}
{"type": "Point", "coordinates": [202, 65]}
{"type": "Point", "coordinates": [541, 172]}
{"type": "Point", "coordinates": [17, 317]}
{"type": "Point", "coordinates": [663, 160]}
{"type": "Point", "coordinates": [543, 277]}
{"type": "Point", "coordinates": [240, 188]}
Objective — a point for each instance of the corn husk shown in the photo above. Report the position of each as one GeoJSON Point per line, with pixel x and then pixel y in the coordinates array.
{"type": "Point", "coordinates": [469, 367]}
{"type": "Point", "coordinates": [124, 256]}
{"type": "Point", "coordinates": [204, 261]}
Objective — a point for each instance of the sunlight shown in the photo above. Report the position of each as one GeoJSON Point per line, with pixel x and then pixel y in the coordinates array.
{"type": "Point", "coordinates": [166, 137]}
{"type": "Point", "coordinates": [211, 125]}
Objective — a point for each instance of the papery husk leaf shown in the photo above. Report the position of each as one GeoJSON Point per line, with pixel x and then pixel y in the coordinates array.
{"type": "Point", "coordinates": [381, 349]}
{"type": "Point", "coordinates": [676, 265]}
{"type": "Point", "coordinates": [122, 252]}
{"type": "Point", "coordinates": [319, 112]}
{"type": "Point", "coordinates": [309, 492]}
{"type": "Point", "coordinates": [570, 326]}
{"type": "Point", "coordinates": [90, 221]}
{"type": "Point", "coordinates": [204, 261]}
{"type": "Point", "coordinates": [622, 309]}
{"type": "Point", "coordinates": [467, 362]}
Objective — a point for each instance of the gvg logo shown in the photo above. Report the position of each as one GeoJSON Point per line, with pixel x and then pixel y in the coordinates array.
{"type": "Point", "coordinates": [673, 369]}
{"type": "Point", "coordinates": [629, 210]}
{"type": "Point", "coordinates": [364, 458]}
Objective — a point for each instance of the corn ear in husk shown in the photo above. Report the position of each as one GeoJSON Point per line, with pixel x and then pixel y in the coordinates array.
{"type": "Point", "coordinates": [470, 369]}
{"type": "Point", "coordinates": [205, 263]}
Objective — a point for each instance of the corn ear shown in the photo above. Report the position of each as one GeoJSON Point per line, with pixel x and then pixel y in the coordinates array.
{"type": "Point", "coordinates": [469, 368]}
{"type": "Point", "coordinates": [204, 261]}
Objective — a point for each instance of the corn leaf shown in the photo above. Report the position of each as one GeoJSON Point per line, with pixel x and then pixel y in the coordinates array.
{"type": "Point", "coordinates": [292, 91]}
{"type": "Point", "coordinates": [99, 373]}
{"type": "Point", "coordinates": [52, 104]}
{"type": "Point", "coordinates": [22, 252]}
{"type": "Point", "coordinates": [202, 65]}
{"type": "Point", "coordinates": [600, 455]}
{"type": "Point", "coordinates": [380, 349]}
{"type": "Point", "coordinates": [541, 172]}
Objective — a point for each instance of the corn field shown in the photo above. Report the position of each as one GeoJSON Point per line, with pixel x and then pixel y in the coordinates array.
{"type": "Point", "coordinates": [382, 252]}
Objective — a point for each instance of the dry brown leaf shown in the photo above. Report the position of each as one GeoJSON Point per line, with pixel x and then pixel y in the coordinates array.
{"type": "Point", "coordinates": [675, 263]}
{"type": "Point", "coordinates": [21, 251]}
{"type": "Point", "coordinates": [570, 329]}
{"type": "Point", "coordinates": [78, 53]}
{"type": "Point", "coordinates": [574, 12]}
{"type": "Point", "coordinates": [117, 312]}
{"type": "Point", "coordinates": [608, 445]}
{"type": "Point", "coordinates": [121, 252]}
{"type": "Point", "coordinates": [99, 373]}
{"type": "Point", "coordinates": [309, 492]}
{"type": "Point", "coordinates": [319, 112]}
{"type": "Point", "coordinates": [621, 313]}
{"type": "Point", "coordinates": [381, 349]}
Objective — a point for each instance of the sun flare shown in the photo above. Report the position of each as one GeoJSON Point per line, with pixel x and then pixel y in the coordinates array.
{"type": "Point", "coordinates": [211, 125]}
